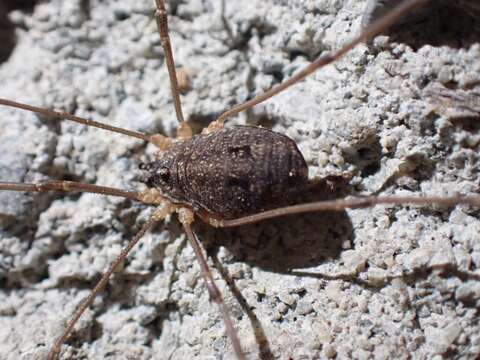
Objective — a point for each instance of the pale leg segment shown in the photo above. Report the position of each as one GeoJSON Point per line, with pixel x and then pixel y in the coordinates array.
{"type": "Point", "coordinates": [162, 24]}
{"type": "Point", "coordinates": [68, 186]}
{"type": "Point", "coordinates": [160, 213]}
{"type": "Point", "coordinates": [342, 204]}
{"type": "Point", "coordinates": [58, 115]}
{"type": "Point", "coordinates": [213, 126]}
{"type": "Point", "coordinates": [374, 29]}
{"type": "Point", "coordinates": [186, 218]}
{"type": "Point", "coordinates": [184, 132]}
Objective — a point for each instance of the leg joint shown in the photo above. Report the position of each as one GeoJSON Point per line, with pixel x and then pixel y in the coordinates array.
{"type": "Point", "coordinates": [160, 14]}
{"type": "Point", "coordinates": [213, 291]}
{"type": "Point", "coordinates": [165, 41]}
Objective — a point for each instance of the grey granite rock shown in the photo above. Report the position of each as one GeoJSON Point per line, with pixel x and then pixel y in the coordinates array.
{"type": "Point", "coordinates": [399, 114]}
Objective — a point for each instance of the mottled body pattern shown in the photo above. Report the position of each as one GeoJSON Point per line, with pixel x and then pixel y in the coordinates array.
{"type": "Point", "coordinates": [231, 172]}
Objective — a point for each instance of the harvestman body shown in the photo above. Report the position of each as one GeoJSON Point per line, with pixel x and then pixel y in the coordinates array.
{"type": "Point", "coordinates": [231, 172]}
{"type": "Point", "coordinates": [228, 177]}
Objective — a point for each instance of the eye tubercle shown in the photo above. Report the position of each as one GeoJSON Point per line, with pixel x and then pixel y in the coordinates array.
{"type": "Point", "coordinates": [164, 173]}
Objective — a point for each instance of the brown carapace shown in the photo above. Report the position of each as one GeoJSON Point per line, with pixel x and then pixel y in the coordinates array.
{"type": "Point", "coordinates": [231, 172]}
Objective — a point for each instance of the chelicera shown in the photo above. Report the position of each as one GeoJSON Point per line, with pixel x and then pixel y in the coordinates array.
{"type": "Point", "coordinates": [226, 176]}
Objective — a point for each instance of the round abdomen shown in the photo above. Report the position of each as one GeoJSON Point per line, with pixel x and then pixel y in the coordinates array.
{"type": "Point", "coordinates": [233, 172]}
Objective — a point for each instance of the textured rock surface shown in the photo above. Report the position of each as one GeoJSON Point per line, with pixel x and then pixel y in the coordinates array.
{"type": "Point", "coordinates": [401, 115]}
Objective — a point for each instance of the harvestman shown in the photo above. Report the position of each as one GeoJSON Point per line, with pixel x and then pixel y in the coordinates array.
{"type": "Point", "coordinates": [243, 209]}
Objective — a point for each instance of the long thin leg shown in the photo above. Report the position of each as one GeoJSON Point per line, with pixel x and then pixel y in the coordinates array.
{"type": "Point", "coordinates": [69, 186]}
{"type": "Point", "coordinates": [162, 24]}
{"type": "Point", "coordinates": [57, 115]}
{"type": "Point", "coordinates": [160, 213]}
{"type": "Point", "coordinates": [342, 204]}
{"type": "Point", "coordinates": [186, 217]}
{"type": "Point", "coordinates": [376, 28]}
